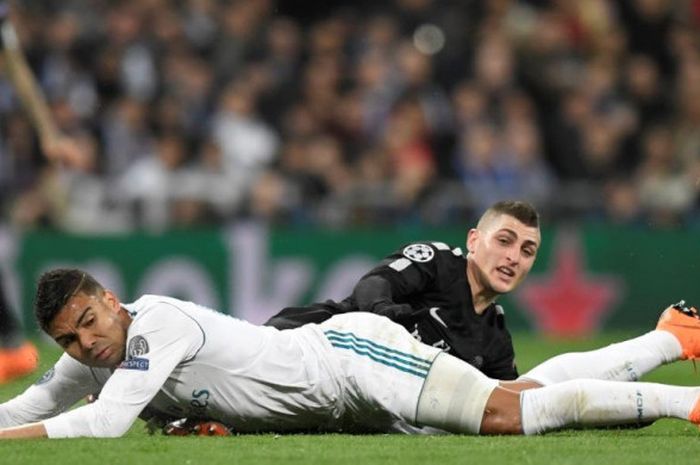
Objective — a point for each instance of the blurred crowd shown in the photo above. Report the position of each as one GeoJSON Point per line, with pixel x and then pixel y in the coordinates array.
{"type": "Point", "coordinates": [196, 112]}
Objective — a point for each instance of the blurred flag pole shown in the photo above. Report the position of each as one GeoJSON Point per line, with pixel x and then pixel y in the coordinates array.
{"type": "Point", "coordinates": [55, 146]}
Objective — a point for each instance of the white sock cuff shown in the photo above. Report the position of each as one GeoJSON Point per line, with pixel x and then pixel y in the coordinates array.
{"type": "Point", "coordinates": [666, 343]}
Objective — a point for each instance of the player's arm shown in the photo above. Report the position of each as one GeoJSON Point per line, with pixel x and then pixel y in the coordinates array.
{"type": "Point", "coordinates": [55, 146]}
{"type": "Point", "coordinates": [57, 390]}
{"type": "Point", "coordinates": [384, 289]}
{"type": "Point", "coordinates": [374, 294]}
{"type": "Point", "coordinates": [170, 337]}
{"type": "Point", "coordinates": [33, 430]}
{"type": "Point", "coordinates": [60, 388]}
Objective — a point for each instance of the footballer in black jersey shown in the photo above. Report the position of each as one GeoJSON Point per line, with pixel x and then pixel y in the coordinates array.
{"type": "Point", "coordinates": [444, 297]}
{"type": "Point", "coordinates": [429, 294]}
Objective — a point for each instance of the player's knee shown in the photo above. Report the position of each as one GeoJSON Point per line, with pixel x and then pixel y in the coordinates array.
{"type": "Point", "coordinates": [454, 396]}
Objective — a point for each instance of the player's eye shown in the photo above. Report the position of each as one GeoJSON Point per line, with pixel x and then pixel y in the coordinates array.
{"type": "Point", "coordinates": [66, 341]}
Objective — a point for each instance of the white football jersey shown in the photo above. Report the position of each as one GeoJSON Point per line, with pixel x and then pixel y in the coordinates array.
{"type": "Point", "coordinates": [184, 360]}
{"type": "Point", "coordinates": [356, 371]}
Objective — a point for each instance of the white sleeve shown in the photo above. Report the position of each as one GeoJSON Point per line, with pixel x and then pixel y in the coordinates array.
{"type": "Point", "coordinates": [60, 387]}
{"type": "Point", "coordinates": [158, 342]}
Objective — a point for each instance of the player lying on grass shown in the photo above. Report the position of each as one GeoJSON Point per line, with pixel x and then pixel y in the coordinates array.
{"type": "Point", "coordinates": [353, 372]}
{"type": "Point", "coordinates": [448, 300]}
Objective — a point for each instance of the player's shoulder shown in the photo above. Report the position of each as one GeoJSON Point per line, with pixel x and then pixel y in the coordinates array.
{"type": "Point", "coordinates": [148, 304]}
{"type": "Point", "coordinates": [425, 251]}
{"type": "Point", "coordinates": [159, 320]}
{"type": "Point", "coordinates": [151, 311]}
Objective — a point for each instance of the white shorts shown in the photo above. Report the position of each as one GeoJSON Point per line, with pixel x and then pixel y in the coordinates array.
{"type": "Point", "coordinates": [382, 368]}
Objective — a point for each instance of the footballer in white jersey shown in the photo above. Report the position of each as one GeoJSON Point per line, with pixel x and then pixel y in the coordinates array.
{"type": "Point", "coordinates": [184, 360]}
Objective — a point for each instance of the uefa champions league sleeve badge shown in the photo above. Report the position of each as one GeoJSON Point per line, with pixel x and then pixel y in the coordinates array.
{"type": "Point", "coordinates": [419, 253]}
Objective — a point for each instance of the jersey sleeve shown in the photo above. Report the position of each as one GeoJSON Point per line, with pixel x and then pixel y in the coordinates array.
{"type": "Point", "coordinates": [57, 390]}
{"type": "Point", "coordinates": [410, 269]}
{"type": "Point", "coordinates": [159, 341]}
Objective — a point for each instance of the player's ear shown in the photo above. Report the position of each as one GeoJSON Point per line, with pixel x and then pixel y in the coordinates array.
{"type": "Point", "coordinates": [111, 299]}
{"type": "Point", "coordinates": [472, 239]}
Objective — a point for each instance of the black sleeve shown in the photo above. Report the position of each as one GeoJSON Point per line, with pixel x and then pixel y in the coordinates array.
{"type": "Point", "coordinates": [384, 290]}
{"type": "Point", "coordinates": [293, 317]}
{"type": "Point", "coordinates": [373, 294]}
{"type": "Point", "coordinates": [405, 276]}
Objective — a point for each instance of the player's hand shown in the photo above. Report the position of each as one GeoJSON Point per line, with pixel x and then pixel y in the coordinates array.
{"type": "Point", "coordinates": [400, 313]}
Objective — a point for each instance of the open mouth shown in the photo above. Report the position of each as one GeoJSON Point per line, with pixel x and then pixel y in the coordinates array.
{"type": "Point", "coordinates": [505, 271]}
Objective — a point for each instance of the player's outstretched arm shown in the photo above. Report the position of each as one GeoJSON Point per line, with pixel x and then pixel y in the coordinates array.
{"type": "Point", "coordinates": [32, 430]}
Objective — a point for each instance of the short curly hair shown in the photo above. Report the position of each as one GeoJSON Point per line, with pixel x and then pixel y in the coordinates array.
{"type": "Point", "coordinates": [56, 287]}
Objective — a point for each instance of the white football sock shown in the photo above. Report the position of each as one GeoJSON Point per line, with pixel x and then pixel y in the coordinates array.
{"type": "Point", "coordinates": [623, 361]}
{"type": "Point", "coordinates": [592, 402]}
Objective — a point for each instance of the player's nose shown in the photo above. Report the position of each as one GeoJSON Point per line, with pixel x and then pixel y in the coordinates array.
{"type": "Point", "coordinates": [512, 254]}
{"type": "Point", "coordinates": [87, 339]}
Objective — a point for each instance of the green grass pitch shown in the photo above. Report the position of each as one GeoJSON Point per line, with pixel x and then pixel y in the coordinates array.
{"type": "Point", "coordinates": [665, 442]}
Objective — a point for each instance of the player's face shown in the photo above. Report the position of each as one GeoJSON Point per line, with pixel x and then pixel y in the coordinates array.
{"type": "Point", "coordinates": [503, 252]}
{"type": "Point", "coordinates": [92, 329]}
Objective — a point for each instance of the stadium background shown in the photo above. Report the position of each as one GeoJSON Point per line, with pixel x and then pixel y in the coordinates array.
{"type": "Point", "coordinates": [256, 154]}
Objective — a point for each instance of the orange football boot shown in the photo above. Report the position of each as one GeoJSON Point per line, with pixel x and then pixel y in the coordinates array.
{"type": "Point", "coordinates": [17, 362]}
{"type": "Point", "coordinates": [694, 416]}
{"type": "Point", "coordinates": [683, 322]}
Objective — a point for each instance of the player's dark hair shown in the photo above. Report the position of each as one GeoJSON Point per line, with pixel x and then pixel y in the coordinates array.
{"type": "Point", "coordinates": [518, 209]}
{"type": "Point", "coordinates": [56, 287]}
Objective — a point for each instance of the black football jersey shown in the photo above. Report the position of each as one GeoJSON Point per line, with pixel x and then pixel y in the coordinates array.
{"type": "Point", "coordinates": [431, 278]}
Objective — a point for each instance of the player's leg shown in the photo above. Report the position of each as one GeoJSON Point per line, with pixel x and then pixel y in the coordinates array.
{"type": "Point", "coordinates": [18, 357]}
{"type": "Point", "coordinates": [382, 368]}
{"type": "Point", "coordinates": [454, 391]}
{"type": "Point", "coordinates": [677, 337]}
{"type": "Point", "coordinates": [590, 402]}
{"type": "Point", "coordinates": [455, 396]}
{"type": "Point", "coordinates": [624, 361]}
